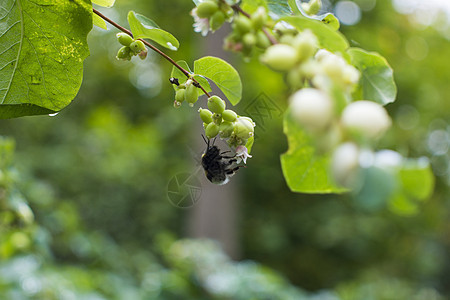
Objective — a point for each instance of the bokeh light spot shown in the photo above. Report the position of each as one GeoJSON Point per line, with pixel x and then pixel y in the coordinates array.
{"type": "Point", "coordinates": [416, 48]}
{"type": "Point", "coordinates": [348, 12]}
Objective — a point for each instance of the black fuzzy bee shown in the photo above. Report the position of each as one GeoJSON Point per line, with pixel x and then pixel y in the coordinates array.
{"type": "Point", "coordinates": [218, 167]}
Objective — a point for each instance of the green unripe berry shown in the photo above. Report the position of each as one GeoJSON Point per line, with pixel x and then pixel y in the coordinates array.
{"type": "Point", "coordinates": [244, 128]}
{"type": "Point", "coordinates": [229, 115]}
{"type": "Point", "coordinates": [216, 21]}
{"type": "Point", "coordinates": [216, 104]}
{"type": "Point", "coordinates": [217, 118]}
{"type": "Point", "coordinates": [249, 40]}
{"type": "Point", "coordinates": [228, 11]}
{"type": "Point", "coordinates": [206, 9]}
{"type": "Point", "coordinates": [295, 78]}
{"type": "Point", "coordinates": [211, 130]}
{"type": "Point", "coordinates": [306, 44]}
{"type": "Point", "coordinates": [312, 7]}
{"type": "Point", "coordinates": [137, 46]}
{"type": "Point", "coordinates": [248, 119]}
{"type": "Point", "coordinates": [243, 24]}
{"type": "Point", "coordinates": [226, 129]}
{"type": "Point", "coordinates": [143, 54]}
{"type": "Point", "coordinates": [123, 53]}
{"type": "Point", "coordinates": [287, 39]}
{"type": "Point", "coordinates": [176, 104]}
{"type": "Point", "coordinates": [179, 95]}
{"type": "Point", "coordinates": [259, 18]}
{"type": "Point", "coordinates": [191, 95]}
{"type": "Point", "coordinates": [124, 38]}
{"type": "Point", "coordinates": [280, 57]}
{"type": "Point", "coordinates": [261, 40]}
{"type": "Point", "coordinates": [206, 115]}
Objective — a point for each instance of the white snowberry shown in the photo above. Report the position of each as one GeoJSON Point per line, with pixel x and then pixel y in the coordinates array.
{"type": "Point", "coordinates": [345, 163]}
{"type": "Point", "coordinates": [312, 108]}
{"type": "Point", "coordinates": [367, 119]}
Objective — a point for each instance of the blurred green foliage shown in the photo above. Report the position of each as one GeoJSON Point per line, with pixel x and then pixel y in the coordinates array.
{"type": "Point", "coordinates": [84, 213]}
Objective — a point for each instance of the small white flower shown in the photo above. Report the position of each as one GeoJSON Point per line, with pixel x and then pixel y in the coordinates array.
{"type": "Point", "coordinates": [200, 24]}
{"type": "Point", "coordinates": [242, 154]}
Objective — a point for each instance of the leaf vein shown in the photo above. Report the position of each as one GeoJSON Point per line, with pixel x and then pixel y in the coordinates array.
{"type": "Point", "coordinates": [12, 45]}
{"type": "Point", "coordinates": [3, 33]}
{"type": "Point", "coordinates": [7, 11]}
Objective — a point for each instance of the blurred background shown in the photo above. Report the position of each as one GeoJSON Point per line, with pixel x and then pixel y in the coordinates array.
{"type": "Point", "coordinates": [93, 205]}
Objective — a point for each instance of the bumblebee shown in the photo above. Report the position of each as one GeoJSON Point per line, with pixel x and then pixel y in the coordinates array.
{"type": "Point", "coordinates": [219, 168]}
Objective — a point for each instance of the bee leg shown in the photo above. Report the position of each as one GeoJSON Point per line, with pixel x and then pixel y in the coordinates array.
{"type": "Point", "coordinates": [232, 171]}
{"type": "Point", "coordinates": [231, 161]}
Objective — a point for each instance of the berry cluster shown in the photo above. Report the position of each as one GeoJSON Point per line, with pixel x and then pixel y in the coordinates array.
{"type": "Point", "coordinates": [186, 92]}
{"type": "Point", "coordinates": [210, 15]}
{"type": "Point", "coordinates": [226, 123]}
{"type": "Point", "coordinates": [247, 33]}
{"type": "Point", "coordinates": [130, 47]}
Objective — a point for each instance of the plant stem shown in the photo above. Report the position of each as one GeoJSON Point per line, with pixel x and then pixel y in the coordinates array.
{"type": "Point", "coordinates": [123, 29]}
{"type": "Point", "coordinates": [271, 38]}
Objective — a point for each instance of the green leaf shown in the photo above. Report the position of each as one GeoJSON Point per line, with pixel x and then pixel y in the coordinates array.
{"type": "Point", "coordinates": [294, 7]}
{"type": "Point", "coordinates": [304, 170]}
{"type": "Point", "coordinates": [251, 6]}
{"type": "Point", "coordinates": [104, 3]}
{"type": "Point", "coordinates": [328, 18]}
{"type": "Point", "coordinates": [222, 74]}
{"type": "Point", "coordinates": [279, 7]}
{"type": "Point", "coordinates": [416, 184]}
{"type": "Point", "coordinates": [417, 179]}
{"type": "Point", "coordinates": [176, 73]}
{"type": "Point", "coordinates": [377, 79]}
{"type": "Point", "coordinates": [328, 38]}
{"type": "Point", "coordinates": [42, 48]}
{"type": "Point", "coordinates": [203, 82]}
{"type": "Point", "coordinates": [249, 144]}
{"type": "Point", "coordinates": [99, 22]}
{"type": "Point", "coordinates": [144, 28]}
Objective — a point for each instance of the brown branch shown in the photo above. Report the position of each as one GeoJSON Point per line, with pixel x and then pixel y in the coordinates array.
{"type": "Point", "coordinates": [123, 29]}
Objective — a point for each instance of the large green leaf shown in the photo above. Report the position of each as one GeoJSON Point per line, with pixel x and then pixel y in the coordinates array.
{"type": "Point", "coordinates": [328, 37]}
{"type": "Point", "coordinates": [222, 74]}
{"type": "Point", "coordinates": [144, 28]}
{"type": "Point", "coordinates": [377, 79]}
{"type": "Point", "coordinates": [304, 170]}
{"type": "Point", "coordinates": [42, 48]}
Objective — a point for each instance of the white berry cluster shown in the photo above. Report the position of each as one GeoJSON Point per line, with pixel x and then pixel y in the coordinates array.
{"type": "Point", "coordinates": [322, 102]}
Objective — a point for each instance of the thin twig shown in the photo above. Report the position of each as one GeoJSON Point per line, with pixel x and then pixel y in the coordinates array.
{"type": "Point", "coordinates": [123, 29]}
